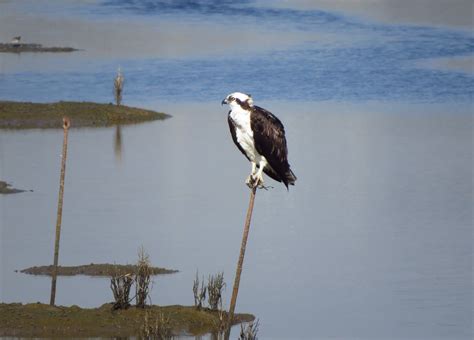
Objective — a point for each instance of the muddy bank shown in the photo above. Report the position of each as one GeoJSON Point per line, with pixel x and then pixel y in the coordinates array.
{"type": "Point", "coordinates": [41, 320]}
{"type": "Point", "coordinates": [19, 48]}
{"type": "Point", "coordinates": [6, 188]}
{"type": "Point", "coordinates": [93, 269]}
{"type": "Point", "coordinates": [23, 115]}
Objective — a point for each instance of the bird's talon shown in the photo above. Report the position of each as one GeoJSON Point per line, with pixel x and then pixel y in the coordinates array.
{"type": "Point", "coordinates": [258, 183]}
{"type": "Point", "coordinates": [254, 182]}
{"type": "Point", "coordinates": [250, 181]}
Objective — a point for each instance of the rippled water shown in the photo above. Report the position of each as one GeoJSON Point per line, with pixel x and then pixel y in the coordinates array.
{"type": "Point", "coordinates": [340, 58]}
{"type": "Point", "coordinates": [374, 241]}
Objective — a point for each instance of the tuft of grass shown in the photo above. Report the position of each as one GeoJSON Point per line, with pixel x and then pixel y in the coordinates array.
{"type": "Point", "coordinates": [156, 328]}
{"type": "Point", "coordinates": [142, 278]}
{"type": "Point", "coordinates": [121, 285]}
{"type": "Point", "coordinates": [249, 332]}
{"type": "Point", "coordinates": [215, 285]}
{"type": "Point", "coordinates": [199, 293]}
{"type": "Point", "coordinates": [23, 115]}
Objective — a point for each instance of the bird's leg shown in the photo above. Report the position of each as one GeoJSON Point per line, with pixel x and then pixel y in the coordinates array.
{"type": "Point", "coordinates": [256, 178]}
{"type": "Point", "coordinates": [254, 168]}
{"type": "Point", "coordinates": [250, 181]}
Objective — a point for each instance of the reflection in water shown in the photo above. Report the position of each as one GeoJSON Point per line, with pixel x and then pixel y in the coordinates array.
{"type": "Point", "coordinates": [217, 336]}
{"type": "Point", "coordinates": [118, 143]}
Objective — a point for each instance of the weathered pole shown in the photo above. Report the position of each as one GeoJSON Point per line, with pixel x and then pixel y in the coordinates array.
{"type": "Point", "coordinates": [238, 272]}
{"type": "Point", "coordinates": [66, 125]}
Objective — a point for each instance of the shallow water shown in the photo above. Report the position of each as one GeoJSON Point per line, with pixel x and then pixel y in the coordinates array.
{"type": "Point", "coordinates": [374, 241]}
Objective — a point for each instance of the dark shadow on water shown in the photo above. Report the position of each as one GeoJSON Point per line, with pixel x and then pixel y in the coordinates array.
{"type": "Point", "coordinates": [118, 143]}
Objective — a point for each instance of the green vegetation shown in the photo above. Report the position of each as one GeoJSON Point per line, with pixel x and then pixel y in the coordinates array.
{"type": "Point", "coordinates": [93, 269]}
{"type": "Point", "coordinates": [22, 115]}
{"type": "Point", "coordinates": [41, 320]}
{"type": "Point", "coordinates": [215, 285]}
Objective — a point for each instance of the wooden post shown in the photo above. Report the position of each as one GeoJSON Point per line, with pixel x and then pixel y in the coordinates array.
{"type": "Point", "coordinates": [66, 125]}
{"type": "Point", "coordinates": [238, 272]}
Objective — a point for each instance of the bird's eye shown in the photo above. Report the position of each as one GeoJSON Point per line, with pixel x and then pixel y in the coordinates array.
{"type": "Point", "coordinates": [231, 98]}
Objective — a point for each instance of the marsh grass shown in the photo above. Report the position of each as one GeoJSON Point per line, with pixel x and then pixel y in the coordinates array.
{"type": "Point", "coordinates": [121, 286]}
{"type": "Point", "coordinates": [44, 321]}
{"type": "Point", "coordinates": [215, 286]}
{"type": "Point", "coordinates": [157, 327]}
{"type": "Point", "coordinates": [199, 292]}
{"type": "Point", "coordinates": [142, 278]}
{"type": "Point", "coordinates": [249, 331]}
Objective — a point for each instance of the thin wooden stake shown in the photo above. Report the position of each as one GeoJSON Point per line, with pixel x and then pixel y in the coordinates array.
{"type": "Point", "coordinates": [66, 125]}
{"type": "Point", "coordinates": [238, 272]}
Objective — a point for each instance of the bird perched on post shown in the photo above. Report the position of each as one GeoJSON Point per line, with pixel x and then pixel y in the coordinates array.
{"type": "Point", "coordinates": [260, 136]}
{"type": "Point", "coordinates": [16, 41]}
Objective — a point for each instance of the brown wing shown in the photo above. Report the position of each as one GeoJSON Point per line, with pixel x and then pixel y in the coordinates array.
{"type": "Point", "coordinates": [270, 142]}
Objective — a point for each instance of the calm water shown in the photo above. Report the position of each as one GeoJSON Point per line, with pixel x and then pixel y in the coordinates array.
{"type": "Point", "coordinates": [374, 241]}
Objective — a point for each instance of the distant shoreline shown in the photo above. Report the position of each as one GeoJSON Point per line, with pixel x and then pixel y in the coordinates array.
{"type": "Point", "coordinates": [24, 115]}
{"type": "Point", "coordinates": [93, 269]}
{"type": "Point", "coordinates": [35, 48]}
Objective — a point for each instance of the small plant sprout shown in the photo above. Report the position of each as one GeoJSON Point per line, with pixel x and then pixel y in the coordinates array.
{"type": "Point", "coordinates": [118, 86]}
{"type": "Point", "coordinates": [249, 332]}
{"type": "Point", "coordinates": [121, 285]}
{"type": "Point", "coordinates": [222, 323]}
{"type": "Point", "coordinates": [142, 278]}
{"type": "Point", "coordinates": [199, 293]}
{"type": "Point", "coordinates": [157, 327]}
{"type": "Point", "coordinates": [215, 285]}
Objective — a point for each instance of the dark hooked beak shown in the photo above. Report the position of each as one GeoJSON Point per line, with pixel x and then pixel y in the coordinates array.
{"type": "Point", "coordinates": [224, 101]}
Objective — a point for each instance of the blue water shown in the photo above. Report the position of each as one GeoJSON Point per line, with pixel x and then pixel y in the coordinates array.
{"type": "Point", "coordinates": [375, 62]}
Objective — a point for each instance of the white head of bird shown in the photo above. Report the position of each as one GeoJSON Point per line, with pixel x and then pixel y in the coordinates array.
{"type": "Point", "coordinates": [238, 100]}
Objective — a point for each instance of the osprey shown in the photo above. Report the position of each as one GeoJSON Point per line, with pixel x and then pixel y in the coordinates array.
{"type": "Point", "coordinates": [16, 41]}
{"type": "Point", "coordinates": [260, 136]}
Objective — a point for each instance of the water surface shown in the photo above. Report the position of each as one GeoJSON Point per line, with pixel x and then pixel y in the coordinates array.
{"type": "Point", "coordinates": [374, 241]}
